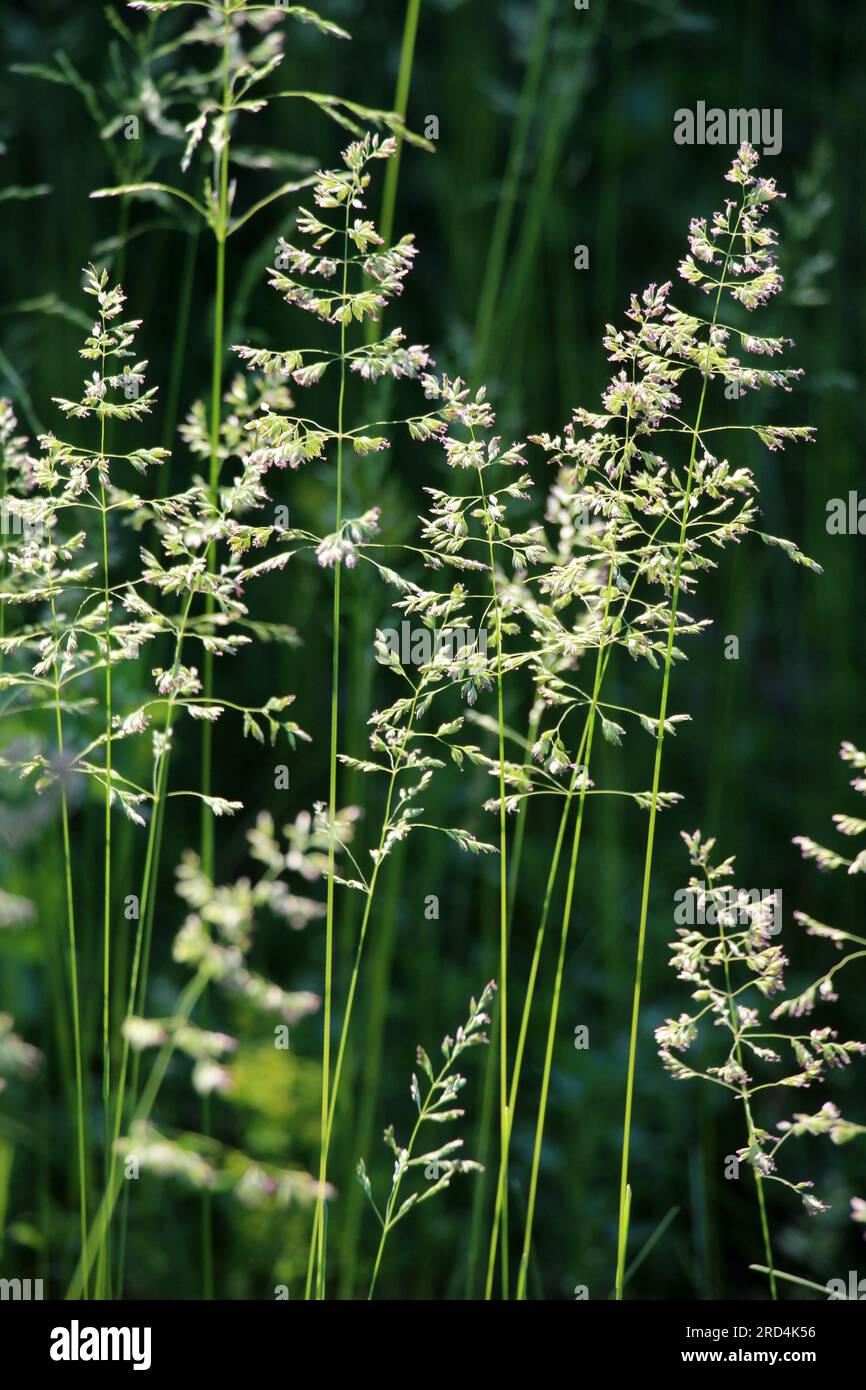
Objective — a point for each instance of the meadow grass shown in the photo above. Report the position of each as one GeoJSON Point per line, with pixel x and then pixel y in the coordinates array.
{"type": "Point", "coordinates": [603, 568]}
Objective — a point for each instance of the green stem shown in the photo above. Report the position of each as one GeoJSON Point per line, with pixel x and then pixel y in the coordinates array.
{"type": "Point", "coordinates": [141, 952]}
{"type": "Point", "coordinates": [368, 1081]}
{"type": "Point", "coordinates": [104, 1278]}
{"type": "Point", "coordinates": [379, 858]}
{"type": "Point", "coordinates": [560, 965]}
{"type": "Point", "coordinates": [318, 1223]}
{"type": "Point", "coordinates": [502, 1194]}
{"type": "Point", "coordinates": [353, 983]}
{"type": "Point", "coordinates": [401, 102]}
{"type": "Point", "coordinates": [220, 232]}
{"type": "Point", "coordinates": [73, 968]}
{"type": "Point", "coordinates": [188, 999]}
{"type": "Point", "coordinates": [527, 1004]}
{"type": "Point", "coordinates": [485, 1125]}
{"type": "Point", "coordinates": [582, 761]}
{"type": "Point", "coordinates": [207, 826]}
{"type": "Point", "coordinates": [791, 1278]}
{"type": "Point", "coordinates": [622, 1236]}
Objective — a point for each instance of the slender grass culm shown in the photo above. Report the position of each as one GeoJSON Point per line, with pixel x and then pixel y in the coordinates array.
{"type": "Point", "coordinates": [650, 527]}
{"type": "Point", "coordinates": [248, 42]}
{"type": "Point", "coordinates": [209, 613]}
{"type": "Point", "coordinates": [17, 476]}
{"type": "Point", "coordinates": [741, 250]}
{"type": "Point", "coordinates": [71, 479]}
{"type": "Point", "coordinates": [285, 440]}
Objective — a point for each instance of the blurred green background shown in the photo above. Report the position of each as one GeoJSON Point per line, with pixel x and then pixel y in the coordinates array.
{"type": "Point", "coordinates": [555, 129]}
